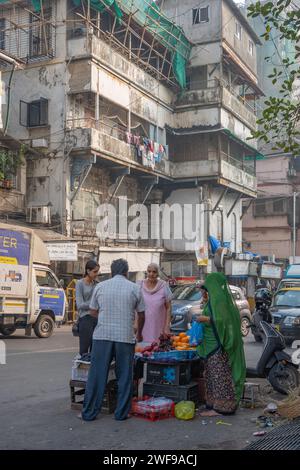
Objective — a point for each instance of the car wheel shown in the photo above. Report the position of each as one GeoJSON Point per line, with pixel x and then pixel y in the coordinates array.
{"type": "Point", "coordinates": [245, 323]}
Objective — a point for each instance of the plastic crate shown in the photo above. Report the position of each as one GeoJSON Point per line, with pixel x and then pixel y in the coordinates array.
{"type": "Point", "coordinates": [178, 373]}
{"type": "Point", "coordinates": [174, 392]}
{"type": "Point", "coordinates": [153, 409]}
{"type": "Point", "coordinates": [77, 390]}
{"type": "Point", "coordinates": [173, 356]}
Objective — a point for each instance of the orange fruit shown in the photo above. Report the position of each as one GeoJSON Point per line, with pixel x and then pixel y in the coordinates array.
{"type": "Point", "coordinates": [185, 340]}
{"type": "Point", "coordinates": [182, 335]}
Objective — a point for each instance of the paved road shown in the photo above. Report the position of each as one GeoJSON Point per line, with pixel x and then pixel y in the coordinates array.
{"type": "Point", "coordinates": [35, 407]}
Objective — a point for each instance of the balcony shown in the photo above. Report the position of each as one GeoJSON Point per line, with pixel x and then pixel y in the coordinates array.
{"type": "Point", "coordinates": [218, 93]}
{"type": "Point", "coordinates": [84, 74]}
{"type": "Point", "coordinates": [111, 142]}
{"type": "Point", "coordinates": [226, 170]}
{"type": "Point", "coordinates": [11, 200]}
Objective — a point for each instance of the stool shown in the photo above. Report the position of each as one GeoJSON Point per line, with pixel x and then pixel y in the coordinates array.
{"type": "Point", "coordinates": [252, 388]}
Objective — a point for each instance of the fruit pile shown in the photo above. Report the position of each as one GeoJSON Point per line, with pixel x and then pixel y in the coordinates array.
{"type": "Point", "coordinates": [164, 344]}
{"type": "Point", "coordinates": [182, 342]}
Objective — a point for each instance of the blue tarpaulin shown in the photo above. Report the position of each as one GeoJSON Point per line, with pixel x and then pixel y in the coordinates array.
{"type": "Point", "coordinates": [214, 244]}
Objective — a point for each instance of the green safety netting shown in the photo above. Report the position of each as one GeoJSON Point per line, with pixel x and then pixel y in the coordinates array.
{"type": "Point", "coordinates": [147, 14]}
{"type": "Point", "coordinates": [256, 154]}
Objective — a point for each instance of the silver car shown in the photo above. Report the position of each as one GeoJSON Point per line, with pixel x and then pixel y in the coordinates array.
{"type": "Point", "coordinates": [186, 302]}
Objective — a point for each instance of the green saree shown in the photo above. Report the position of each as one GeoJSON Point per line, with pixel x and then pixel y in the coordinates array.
{"type": "Point", "coordinates": [224, 330]}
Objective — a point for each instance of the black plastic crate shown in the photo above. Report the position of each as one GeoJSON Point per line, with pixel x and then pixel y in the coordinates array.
{"type": "Point", "coordinates": [109, 404]}
{"type": "Point", "coordinates": [170, 374]}
{"type": "Point", "coordinates": [174, 392]}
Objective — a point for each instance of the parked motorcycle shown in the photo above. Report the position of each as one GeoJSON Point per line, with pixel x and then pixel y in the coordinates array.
{"type": "Point", "coordinates": [275, 364]}
{"type": "Point", "coordinates": [263, 301]}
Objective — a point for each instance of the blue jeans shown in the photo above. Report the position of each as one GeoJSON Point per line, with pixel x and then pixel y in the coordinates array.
{"type": "Point", "coordinates": [103, 353]}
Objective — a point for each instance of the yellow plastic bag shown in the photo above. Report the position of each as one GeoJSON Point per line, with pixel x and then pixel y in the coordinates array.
{"type": "Point", "coordinates": [185, 410]}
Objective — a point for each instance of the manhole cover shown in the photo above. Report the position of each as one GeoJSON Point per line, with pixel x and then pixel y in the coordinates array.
{"type": "Point", "coordinates": [285, 437]}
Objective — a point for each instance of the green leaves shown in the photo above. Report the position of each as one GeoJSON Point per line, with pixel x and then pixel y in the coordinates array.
{"type": "Point", "coordinates": [280, 119]}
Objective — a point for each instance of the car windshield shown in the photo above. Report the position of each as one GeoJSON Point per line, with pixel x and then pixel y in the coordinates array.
{"type": "Point", "coordinates": [293, 270]}
{"type": "Point", "coordinates": [187, 293]}
{"type": "Point", "coordinates": [287, 298]}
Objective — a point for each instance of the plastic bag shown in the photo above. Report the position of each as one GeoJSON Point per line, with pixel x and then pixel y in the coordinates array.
{"type": "Point", "coordinates": [185, 410]}
{"type": "Point", "coordinates": [195, 333]}
{"type": "Point", "coordinates": [75, 328]}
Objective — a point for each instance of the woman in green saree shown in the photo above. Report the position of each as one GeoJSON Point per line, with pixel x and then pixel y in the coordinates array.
{"type": "Point", "coordinates": [222, 347]}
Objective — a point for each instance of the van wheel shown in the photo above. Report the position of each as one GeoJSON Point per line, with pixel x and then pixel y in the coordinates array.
{"type": "Point", "coordinates": [44, 326]}
{"type": "Point", "coordinates": [7, 330]}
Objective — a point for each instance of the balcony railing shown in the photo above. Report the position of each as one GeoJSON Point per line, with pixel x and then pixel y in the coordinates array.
{"type": "Point", "coordinates": [241, 164]}
{"type": "Point", "coordinates": [115, 139]}
{"type": "Point", "coordinates": [217, 92]}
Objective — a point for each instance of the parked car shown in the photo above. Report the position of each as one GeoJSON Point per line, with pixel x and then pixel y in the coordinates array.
{"type": "Point", "coordinates": [287, 282]}
{"type": "Point", "coordinates": [188, 296]}
{"type": "Point", "coordinates": [285, 311]}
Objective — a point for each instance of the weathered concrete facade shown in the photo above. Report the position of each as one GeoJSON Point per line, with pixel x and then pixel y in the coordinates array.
{"type": "Point", "coordinates": [97, 94]}
{"type": "Point", "coordinates": [268, 224]}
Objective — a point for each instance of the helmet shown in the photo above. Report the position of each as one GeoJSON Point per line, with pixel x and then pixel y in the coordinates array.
{"type": "Point", "coordinates": [263, 296]}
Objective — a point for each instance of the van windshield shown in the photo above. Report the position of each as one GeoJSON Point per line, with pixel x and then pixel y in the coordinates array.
{"type": "Point", "coordinates": [45, 278]}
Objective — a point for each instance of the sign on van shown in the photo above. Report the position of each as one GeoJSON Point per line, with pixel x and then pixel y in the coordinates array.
{"type": "Point", "coordinates": [63, 251]}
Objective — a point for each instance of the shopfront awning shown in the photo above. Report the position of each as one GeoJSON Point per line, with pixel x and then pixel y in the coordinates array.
{"type": "Point", "coordinates": [138, 260]}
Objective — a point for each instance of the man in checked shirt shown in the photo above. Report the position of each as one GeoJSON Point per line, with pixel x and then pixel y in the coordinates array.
{"type": "Point", "coordinates": [115, 303]}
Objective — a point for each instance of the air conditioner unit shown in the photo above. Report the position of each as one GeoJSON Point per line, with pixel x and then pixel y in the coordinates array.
{"type": "Point", "coordinates": [38, 215]}
{"type": "Point", "coordinates": [39, 143]}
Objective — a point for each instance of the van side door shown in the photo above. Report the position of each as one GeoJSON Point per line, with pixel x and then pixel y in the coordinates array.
{"type": "Point", "coordinates": [51, 296]}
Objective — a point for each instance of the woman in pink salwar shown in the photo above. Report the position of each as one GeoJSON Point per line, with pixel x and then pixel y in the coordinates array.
{"type": "Point", "coordinates": [157, 296]}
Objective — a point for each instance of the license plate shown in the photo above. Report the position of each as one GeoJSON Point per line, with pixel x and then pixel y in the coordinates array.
{"type": "Point", "coordinates": [8, 320]}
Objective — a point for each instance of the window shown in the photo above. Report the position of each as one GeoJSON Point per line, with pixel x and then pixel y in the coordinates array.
{"type": "Point", "coordinates": [181, 268]}
{"type": "Point", "coordinates": [278, 205]}
{"type": "Point", "coordinates": [238, 31]}
{"type": "Point", "coordinates": [250, 47]}
{"type": "Point", "coordinates": [40, 35]}
{"type": "Point", "coordinates": [34, 114]}
{"type": "Point", "coordinates": [2, 33]}
{"type": "Point", "coordinates": [45, 279]}
{"type": "Point", "coordinates": [260, 208]}
{"type": "Point", "coordinates": [200, 15]}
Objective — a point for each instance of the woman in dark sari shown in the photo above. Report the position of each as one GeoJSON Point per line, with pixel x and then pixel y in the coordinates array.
{"type": "Point", "coordinates": [222, 347]}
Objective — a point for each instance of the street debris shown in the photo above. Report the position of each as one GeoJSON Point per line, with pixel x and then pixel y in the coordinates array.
{"type": "Point", "coordinates": [259, 433]}
{"type": "Point", "coordinates": [223, 422]}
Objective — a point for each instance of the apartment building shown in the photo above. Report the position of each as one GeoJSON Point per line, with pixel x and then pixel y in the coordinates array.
{"type": "Point", "coordinates": [130, 103]}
